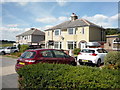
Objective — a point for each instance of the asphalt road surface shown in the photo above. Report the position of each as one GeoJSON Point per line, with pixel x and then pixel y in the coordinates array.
{"type": "Point", "coordinates": [8, 75]}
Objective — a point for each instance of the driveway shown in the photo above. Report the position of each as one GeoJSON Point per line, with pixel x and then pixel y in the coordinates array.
{"type": "Point", "coordinates": [8, 75]}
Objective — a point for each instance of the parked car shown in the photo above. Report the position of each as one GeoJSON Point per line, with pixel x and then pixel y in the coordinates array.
{"type": "Point", "coordinates": [44, 56]}
{"type": "Point", "coordinates": [92, 55]}
{"type": "Point", "coordinates": [8, 50]}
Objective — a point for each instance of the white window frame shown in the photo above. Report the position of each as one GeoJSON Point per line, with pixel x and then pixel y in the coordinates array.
{"type": "Point", "coordinates": [74, 31]}
{"type": "Point", "coordinates": [59, 32]}
{"type": "Point", "coordinates": [59, 45]}
{"type": "Point", "coordinates": [73, 42]}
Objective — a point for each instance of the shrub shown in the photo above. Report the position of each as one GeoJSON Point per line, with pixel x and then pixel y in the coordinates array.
{"type": "Point", "coordinates": [113, 58]}
{"type": "Point", "coordinates": [18, 54]}
{"type": "Point", "coordinates": [66, 76]}
{"type": "Point", "coordinates": [76, 51]}
{"type": "Point", "coordinates": [23, 48]}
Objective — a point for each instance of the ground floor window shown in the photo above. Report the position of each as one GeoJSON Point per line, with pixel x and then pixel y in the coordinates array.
{"type": "Point", "coordinates": [57, 45]}
{"type": "Point", "coordinates": [116, 44]}
{"type": "Point", "coordinates": [71, 44]}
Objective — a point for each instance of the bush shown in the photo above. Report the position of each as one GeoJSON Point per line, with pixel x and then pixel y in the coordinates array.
{"type": "Point", "coordinates": [66, 76]}
{"type": "Point", "coordinates": [113, 58]}
{"type": "Point", "coordinates": [23, 48]}
{"type": "Point", "coordinates": [76, 51]}
{"type": "Point", "coordinates": [18, 54]}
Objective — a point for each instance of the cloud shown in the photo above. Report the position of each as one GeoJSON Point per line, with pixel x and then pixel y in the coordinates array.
{"type": "Point", "coordinates": [12, 25]}
{"type": "Point", "coordinates": [52, 20]}
{"type": "Point", "coordinates": [103, 20]}
{"type": "Point", "coordinates": [61, 2]}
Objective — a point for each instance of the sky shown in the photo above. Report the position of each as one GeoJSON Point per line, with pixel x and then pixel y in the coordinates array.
{"type": "Point", "coordinates": [18, 17]}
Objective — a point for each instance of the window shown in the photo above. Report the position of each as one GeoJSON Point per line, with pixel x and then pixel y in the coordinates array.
{"type": "Point", "coordinates": [57, 45]}
{"type": "Point", "coordinates": [87, 51]}
{"type": "Point", "coordinates": [116, 44]}
{"type": "Point", "coordinates": [58, 32]}
{"type": "Point", "coordinates": [48, 33]}
{"type": "Point", "coordinates": [47, 54]}
{"type": "Point", "coordinates": [28, 54]}
{"type": "Point", "coordinates": [71, 45]}
{"type": "Point", "coordinates": [83, 31]}
{"type": "Point", "coordinates": [59, 54]}
{"type": "Point", "coordinates": [71, 31]}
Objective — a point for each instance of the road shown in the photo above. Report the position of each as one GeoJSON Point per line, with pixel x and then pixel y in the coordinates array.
{"type": "Point", "coordinates": [8, 75]}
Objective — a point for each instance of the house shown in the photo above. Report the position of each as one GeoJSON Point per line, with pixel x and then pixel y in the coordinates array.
{"type": "Point", "coordinates": [31, 37]}
{"type": "Point", "coordinates": [112, 42]}
{"type": "Point", "coordinates": [74, 33]}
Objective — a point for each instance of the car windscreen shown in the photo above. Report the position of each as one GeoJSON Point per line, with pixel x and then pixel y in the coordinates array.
{"type": "Point", "coordinates": [28, 54]}
{"type": "Point", "coordinates": [88, 51]}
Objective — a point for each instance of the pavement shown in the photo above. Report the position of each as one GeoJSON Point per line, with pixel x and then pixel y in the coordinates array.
{"type": "Point", "coordinates": [8, 75]}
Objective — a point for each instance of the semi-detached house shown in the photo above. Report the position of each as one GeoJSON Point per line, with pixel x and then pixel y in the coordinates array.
{"type": "Point", "coordinates": [74, 33]}
{"type": "Point", "coordinates": [31, 37]}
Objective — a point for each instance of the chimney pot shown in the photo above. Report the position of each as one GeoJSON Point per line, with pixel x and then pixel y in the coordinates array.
{"type": "Point", "coordinates": [74, 17]}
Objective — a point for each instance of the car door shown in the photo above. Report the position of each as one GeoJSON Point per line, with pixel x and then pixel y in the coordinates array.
{"type": "Point", "coordinates": [8, 49]}
{"type": "Point", "coordinates": [101, 54]}
{"type": "Point", "coordinates": [59, 56]}
{"type": "Point", "coordinates": [47, 57]}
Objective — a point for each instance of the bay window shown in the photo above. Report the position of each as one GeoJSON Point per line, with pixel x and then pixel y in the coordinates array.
{"type": "Point", "coordinates": [57, 45]}
{"type": "Point", "coordinates": [71, 44]}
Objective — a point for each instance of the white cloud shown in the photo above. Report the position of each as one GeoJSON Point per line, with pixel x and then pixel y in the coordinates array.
{"type": "Point", "coordinates": [46, 19]}
{"type": "Point", "coordinates": [51, 20]}
{"type": "Point", "coordinates": [12, 25]}
{"type": "Point", "coordinates": [102, 20]}
{"type": "Point", "coordinates": [61, 2]}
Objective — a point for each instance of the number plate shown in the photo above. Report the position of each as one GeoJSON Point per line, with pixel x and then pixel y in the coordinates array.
{"type": "Point", "coordinates": [21, 63]}
{"type": "Point", "coordinates": [84, 60]}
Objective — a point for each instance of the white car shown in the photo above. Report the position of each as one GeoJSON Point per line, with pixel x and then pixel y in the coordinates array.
{"type": "Point", "coordinates": [92, 55]}
{"type": "Point", "coordinates": [8, 50]}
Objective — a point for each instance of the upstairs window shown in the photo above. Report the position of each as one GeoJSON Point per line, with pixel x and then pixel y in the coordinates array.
{"type": "Point", "coordinates": [71, 31]}
{"type": "Point", "coordinates": [57, 32]}
{"type": "Point", "coordinates": [83, 30]}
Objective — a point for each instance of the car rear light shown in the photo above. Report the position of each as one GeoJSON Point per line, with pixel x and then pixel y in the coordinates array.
{"type": "Point", "coordinates": [29, 61]}
{"type": "Point", "coordinates": [79, 53]}
{"type": "Point", "coordinates": [93, 54]}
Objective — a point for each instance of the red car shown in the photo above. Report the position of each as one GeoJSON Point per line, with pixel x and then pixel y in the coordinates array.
{"type": "Point", "coordinates": [44, 56]}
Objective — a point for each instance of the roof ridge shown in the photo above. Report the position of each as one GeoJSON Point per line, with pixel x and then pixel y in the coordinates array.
{"type": "Point", "coordinates": [84, 20]}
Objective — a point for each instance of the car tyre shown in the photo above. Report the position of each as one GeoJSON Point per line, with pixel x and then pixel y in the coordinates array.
{"type": "Point", "coordinates": [3, 53]}
{"type": "Point", "coordinates": [98, 62]}
{"type": "Point", "coordinates": [73, 63]}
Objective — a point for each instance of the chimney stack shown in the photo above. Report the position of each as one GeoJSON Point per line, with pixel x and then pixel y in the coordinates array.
{"type": "Point", "coordinates": [32, 28]}
{"type": "Point", "coordinates": [74, 17]}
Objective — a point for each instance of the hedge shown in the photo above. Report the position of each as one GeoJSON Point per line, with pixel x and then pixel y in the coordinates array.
{"type": "Point", "coordinates": [66, 76]}
{"type": "Point", "coordinates": [113, 58]}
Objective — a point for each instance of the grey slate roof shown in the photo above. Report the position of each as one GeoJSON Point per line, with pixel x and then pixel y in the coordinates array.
{"type": "Point", "coordinates": [75, 23]}
{"type": "Point", "coordinates": [32, 32]}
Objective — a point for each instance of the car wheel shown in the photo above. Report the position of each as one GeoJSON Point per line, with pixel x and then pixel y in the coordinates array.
{"type": "Point", "coordinates": [73, 63]}
{"type": "Point", "coordinates": [15, 51]}
{"type": "Point", "coordinates": [3, 53]}
{"type": "Point", "coordinates": [98, 62]}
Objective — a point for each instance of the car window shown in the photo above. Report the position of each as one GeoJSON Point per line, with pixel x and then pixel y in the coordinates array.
{"type": "Point", "coordinates": [100, 51]}
{"type": "Point", "coordinates": [59, 54]}
{"type": "Point", "coordinates": [28, 54]}
{"type": "Point", "coordinates": [13, 47]}
{"type": "Point", "coordinates": [104, 51]}
{"type": "Point", "coordinates": [88, 51]}
{"type": "Point", "coordinates": [47, 54]}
